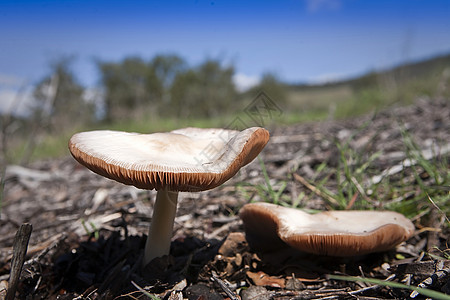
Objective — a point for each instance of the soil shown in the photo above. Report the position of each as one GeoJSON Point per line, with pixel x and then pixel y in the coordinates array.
{"type": "Point", "coordinates": [88, 232]}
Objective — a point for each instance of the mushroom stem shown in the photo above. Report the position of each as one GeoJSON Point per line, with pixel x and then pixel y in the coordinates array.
{"type": "Point", "coordinates": [161, 227]}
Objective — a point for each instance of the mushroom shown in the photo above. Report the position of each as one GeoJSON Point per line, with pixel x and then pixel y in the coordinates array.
{"type": "Point", "coordinates": [189, 159]}
{"type": "Point", "coordinates": [333, 233]}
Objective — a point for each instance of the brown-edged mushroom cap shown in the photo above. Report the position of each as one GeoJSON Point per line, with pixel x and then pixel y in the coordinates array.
{"type": "Point", "coordinates": [189, 159]}
{"type": "Point", "coordinates": [333, 233]}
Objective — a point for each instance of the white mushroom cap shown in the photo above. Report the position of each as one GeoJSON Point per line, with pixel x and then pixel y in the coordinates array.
{"type": "Point", "coordinates": [189, 159]}
{"type": "Point", "coordinates": [334, 233]}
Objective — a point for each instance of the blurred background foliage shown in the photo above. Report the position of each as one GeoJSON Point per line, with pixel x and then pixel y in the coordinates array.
{"type": "Point", "coordinates": [164, 92]}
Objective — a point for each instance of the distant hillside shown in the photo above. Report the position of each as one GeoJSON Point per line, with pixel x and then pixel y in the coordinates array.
{"type": "Point", "coordinates": [374, 90]}
{"type": "Point", "coordinates": [422, 69]}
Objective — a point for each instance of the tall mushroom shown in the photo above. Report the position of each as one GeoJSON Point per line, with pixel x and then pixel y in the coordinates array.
{"type": "Point", "coordinates": [333, 233]}
{"type": "Point", "coordinates": [189, 159]}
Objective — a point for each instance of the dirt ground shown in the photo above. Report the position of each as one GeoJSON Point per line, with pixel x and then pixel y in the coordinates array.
{"type": "Point", "coordinates": [88, 232]}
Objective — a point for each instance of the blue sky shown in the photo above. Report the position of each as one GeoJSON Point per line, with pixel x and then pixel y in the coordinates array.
{"type": "Point", "coordinates": [299, 40]}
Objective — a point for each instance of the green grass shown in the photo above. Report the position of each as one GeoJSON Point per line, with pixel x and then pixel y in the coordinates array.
{"type": "Point", "coordinates": [94, 231]}
{"type": "Point", "coordinates": [425, 292]}
{"type": "Point", "coordinates": [54, 145]}
{"type": "Point", "coordinates": [416, 190]}
{"type": "Point", "coordinates": [266, 191]}
{"type": "Point", "coordinates": [318, 98]}
{"type": "Point", "coordinates": [431, 179]}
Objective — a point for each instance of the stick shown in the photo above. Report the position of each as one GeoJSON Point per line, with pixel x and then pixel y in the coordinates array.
{"type": "Point", "coordinates": [19, 251]}
{"type": "Point", "coordinates": [314, 189]}
{"type": "Point", "coordinates": [222, 284]}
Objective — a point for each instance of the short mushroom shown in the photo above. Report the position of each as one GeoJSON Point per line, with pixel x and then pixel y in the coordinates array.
{"type": "Point", "coordinates": [332, 233]}
{"type": "Point", "coordinates": [189, 159]}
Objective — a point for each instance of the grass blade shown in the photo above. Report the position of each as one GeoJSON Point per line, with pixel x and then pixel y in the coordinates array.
{"type": "Point", "coordinates": [426, 292]}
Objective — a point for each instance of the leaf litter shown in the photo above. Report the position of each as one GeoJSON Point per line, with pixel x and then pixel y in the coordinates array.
{"type": "Point", "coordinates": [88, 232]}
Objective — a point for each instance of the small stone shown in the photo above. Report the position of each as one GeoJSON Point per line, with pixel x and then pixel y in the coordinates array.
{"type": "Point", "coordinates": [202, 291]}
{"type": "Point", "coordinates": [294, 284]}
{"type": "Point", "coordinates": [256, 293]}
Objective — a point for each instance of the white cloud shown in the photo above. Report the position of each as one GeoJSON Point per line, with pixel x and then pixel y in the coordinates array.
{"type": "Point", "coordinates": [244, 82]}
{"type": "Point", "coordinates": [317, 5]}
{"type": "Point", "coordinates": [15, 102]}
{"type": "Point", "coordinates": [327, 78]}
{"type": "Point", "coordinates": [15, 95]}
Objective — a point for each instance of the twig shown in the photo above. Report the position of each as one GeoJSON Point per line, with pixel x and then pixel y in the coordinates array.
{"type": "Point", "coordinates": [372, 287]}
{"type": "Point", "coordinates": [314, 189]}
{"type": "Point", "coordinates": [223, 285]}
{"type": "Point", "coordinates": [429, 281]}
{"type": "Point", "coordinates": [362, 192]}
{"type": "Point", "coordinates": [45, 247]}
{"type": "Point", "coordinates": [352, 201]}
{"type": "Point", "coordinates": [143, 291]}
{"type": "Point", "coordinates": [223, 228]}
{"type": "Point", "coordinates": [437, 207]}
{"type": "Point", "coordinates": [19, 251]}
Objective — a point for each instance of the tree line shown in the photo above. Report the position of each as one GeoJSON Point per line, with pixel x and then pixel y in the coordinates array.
{"type": "Point", "coordinates": [163, 86]}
